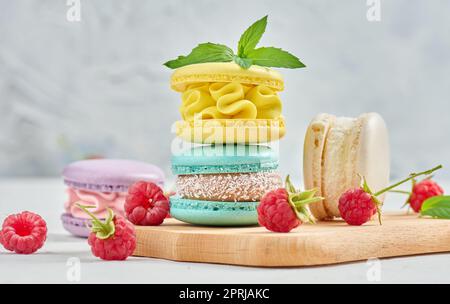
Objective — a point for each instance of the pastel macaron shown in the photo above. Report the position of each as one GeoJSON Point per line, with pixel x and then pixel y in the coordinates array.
{"type": "Point", "coordinates": [221, 185]}
{"type": "Point", "coordinates": [338, 151]}
{"type": "Point", "coordinates": [225, 104]}
{"type": "Point", "coordinates": [101, 184]}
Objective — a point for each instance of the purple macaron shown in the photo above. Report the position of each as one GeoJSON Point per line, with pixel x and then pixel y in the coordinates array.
{"type": "Point", "coordinates": [102, 183]}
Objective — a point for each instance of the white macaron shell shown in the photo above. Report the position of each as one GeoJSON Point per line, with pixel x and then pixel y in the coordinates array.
{"type": "Point", "coordinates": [374, 155]}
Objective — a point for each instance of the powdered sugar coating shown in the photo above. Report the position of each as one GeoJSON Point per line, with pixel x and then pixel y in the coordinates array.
{"type": "Point", "coordinates": [229, 187]}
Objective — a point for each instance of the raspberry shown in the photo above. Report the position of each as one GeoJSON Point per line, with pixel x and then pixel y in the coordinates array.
{"type": "Point", "coordinates": [23, 233]}
{"type": "Point", "coordinates": [112, 240]}
{"type": "Point", "coordinates": [275, 213]}
{"type": "Point", "coordinates": [117, 247]}
{"type": "Point", "coordinates": [423, 191]}
{"type": "Point", "coordinates": [282, 210]}
{"type": "Point", "coordinates": [146, 204]}
{"type": "Point", "coordinates": [357, 207]}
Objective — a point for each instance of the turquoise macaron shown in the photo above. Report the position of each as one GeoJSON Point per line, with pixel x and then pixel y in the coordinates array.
{"type": "Point", "coordinates": [231, 165]}
{"type": "Point", "coordinates": [225, 159]}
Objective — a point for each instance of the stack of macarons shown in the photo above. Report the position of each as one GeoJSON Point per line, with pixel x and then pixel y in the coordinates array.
{"type": "Point", "coordinates": [101, 184]}
{"type": "Point", "coordinates": [234, 113]}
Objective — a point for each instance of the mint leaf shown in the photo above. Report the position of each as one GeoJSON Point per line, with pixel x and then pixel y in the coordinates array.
{"type": "Point", "coordinates": [274, 57]}
{"type": "Point", "coordinates": [245, 63]}
{"type": "Point", "coordinates": [205, 52]}
{"type": "Point", "coordinates": [437, 207]}
{"type": "Point", "coordinates": [251, 37]}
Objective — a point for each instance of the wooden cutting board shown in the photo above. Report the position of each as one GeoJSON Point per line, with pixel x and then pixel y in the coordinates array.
{"type": "Point", "coordinates": [320, 244]}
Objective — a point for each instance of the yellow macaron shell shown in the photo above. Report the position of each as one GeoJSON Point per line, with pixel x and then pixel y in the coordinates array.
{"type": "Point", "coordinates": [225, 72]}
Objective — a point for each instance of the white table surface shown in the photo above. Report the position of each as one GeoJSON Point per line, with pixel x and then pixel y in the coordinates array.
{"type": "Point", "coordinates": [49, 265]}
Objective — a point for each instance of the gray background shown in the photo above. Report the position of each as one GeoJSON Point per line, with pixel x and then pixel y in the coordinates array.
{"type": "Point", "coordinates": [98, 87]}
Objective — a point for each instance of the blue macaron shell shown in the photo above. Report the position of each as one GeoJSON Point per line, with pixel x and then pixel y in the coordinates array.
{"type": "Point", "coordinates": [210, 213]}
{"type": "Point", "coordinates": [216, 159]}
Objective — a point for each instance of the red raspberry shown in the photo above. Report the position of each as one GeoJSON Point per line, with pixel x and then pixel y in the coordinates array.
{"type": "Point", "coordinates": [282, 210]}
{"type": "Point", "coordinates": [146, 204]}
{"type": "Point", "coordinates": [111, 240]}
{"type": "Point", "coordinates": [276, 213]}
{"type": "Point", "coordinates": [423, 191]}
{"type": "Point", "coordinates": [23, 233]}
{"type": "Point", "coordinates": [117, 247]}
{"type": "Point", "coordinates": [357, 207]}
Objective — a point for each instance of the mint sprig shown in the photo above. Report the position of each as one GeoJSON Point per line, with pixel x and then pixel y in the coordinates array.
{"type": "Point", "coordinates": [437, 207]}
{"type": "Point", "coordinates": [247, 53]}
{"type": "Point", "coordinates": [244, 63]}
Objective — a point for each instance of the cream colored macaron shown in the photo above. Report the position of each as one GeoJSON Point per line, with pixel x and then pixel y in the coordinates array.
{"type": "Point", "coordinates": [339, 149]}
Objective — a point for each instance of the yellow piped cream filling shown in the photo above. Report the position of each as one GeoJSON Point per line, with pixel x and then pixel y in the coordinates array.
{"type": "Point", "coordinates": [232, 100]}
